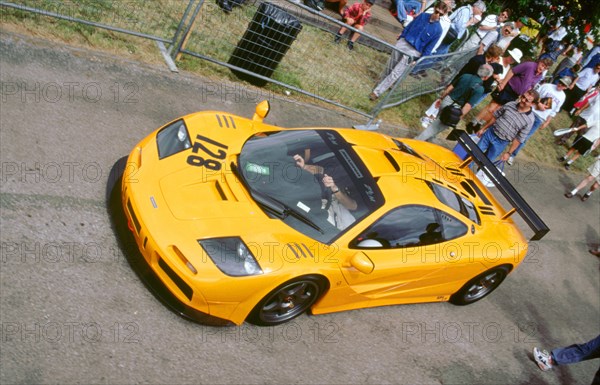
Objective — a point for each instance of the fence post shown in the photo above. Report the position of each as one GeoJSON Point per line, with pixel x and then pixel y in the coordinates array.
{"type": "Point", "coordinates": [177, 54]}
{"type": "Point", "coordinates": [180, 26]}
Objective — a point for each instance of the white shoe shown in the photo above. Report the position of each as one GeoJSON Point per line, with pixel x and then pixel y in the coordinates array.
{"type": "Point", "coordinates": [542, 358]}
{"type": "Point", "coordinates": [510, 161]}
{"type": "Point", "coordinates": [426, 121]}
{"type": "Point", "coordinates": [409, 18]}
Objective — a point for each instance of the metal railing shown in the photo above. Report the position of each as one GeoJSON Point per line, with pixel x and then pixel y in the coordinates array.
{"type": "Point", "coordinates": [312, 64]}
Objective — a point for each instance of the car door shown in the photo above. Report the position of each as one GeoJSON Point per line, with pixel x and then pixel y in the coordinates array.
{"type": "Point", "coordinates": [409, 248]}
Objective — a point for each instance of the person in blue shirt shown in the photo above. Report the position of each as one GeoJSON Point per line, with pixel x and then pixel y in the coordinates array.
{"type": "Point", "coordinates": [418, 39]}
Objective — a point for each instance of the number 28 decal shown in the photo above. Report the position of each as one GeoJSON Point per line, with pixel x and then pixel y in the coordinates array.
{"type": "Point", "coordinates": [212, 162]}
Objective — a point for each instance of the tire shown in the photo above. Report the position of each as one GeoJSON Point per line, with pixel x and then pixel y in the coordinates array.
{"type": "Point", "coordinates": [288, 301]}
{"type": "Point", "coordinates": [114, 178]}
{"type": "Point", "coordinates": [480, 286]}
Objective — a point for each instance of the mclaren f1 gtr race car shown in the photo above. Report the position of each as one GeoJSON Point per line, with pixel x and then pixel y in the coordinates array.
{"type": "Point", "coordinates": [233, 220]}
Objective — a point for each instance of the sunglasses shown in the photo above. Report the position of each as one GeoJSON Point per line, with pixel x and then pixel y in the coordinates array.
{"type": "Point", "coordinates": [524, 98]}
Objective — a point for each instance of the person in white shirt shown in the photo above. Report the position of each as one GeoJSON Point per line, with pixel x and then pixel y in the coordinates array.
{"type": "Point", "coordinates": [488, 29]}
{"type": "Point", "coordinates": [460, 19]}
{"type": "Point", "coordinates": [588, 141]}
{"type": "Point", "coordinates": [583, 114]}
{"type": "Point", "coordinates": [593, 52]}
{"type": "Point", "coordinates": [594, 176]}
{"type": "Point", "coordinates": [504, 41]}
{"type": "Point", "coordinates": [557, 36]}
{"type": "Point", "coordinates": [552, 96]}
{"type": "Point", "coordinates": [586, 79]}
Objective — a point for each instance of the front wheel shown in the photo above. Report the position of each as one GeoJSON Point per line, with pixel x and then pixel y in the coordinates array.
{"type": "Point", "coordinates": [480, 286]}
{"type": "Point", "coordinates": [287, 301]}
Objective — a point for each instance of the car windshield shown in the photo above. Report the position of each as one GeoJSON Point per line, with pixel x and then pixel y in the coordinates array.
{"type": "Point", "coordinates": [311, 179]}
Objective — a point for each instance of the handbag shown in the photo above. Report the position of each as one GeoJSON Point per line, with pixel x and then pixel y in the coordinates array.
{"type": "Point", "coordinates": [451, 115]}
{"type": "Point", "coordinates": [450, 37]}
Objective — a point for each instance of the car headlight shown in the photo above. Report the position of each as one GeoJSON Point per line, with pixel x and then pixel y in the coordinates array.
{"type": "Point", "coordinates": [231, 255]}
{"type": "Point", "coordinates": [172, 139]}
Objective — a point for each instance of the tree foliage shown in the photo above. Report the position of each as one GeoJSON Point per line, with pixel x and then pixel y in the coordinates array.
{"type": "Point", "coordinates": [582, 11]}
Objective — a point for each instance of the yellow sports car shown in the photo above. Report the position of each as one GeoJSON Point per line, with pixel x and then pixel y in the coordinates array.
{"type": "Point", "coordinates": [232, 220]}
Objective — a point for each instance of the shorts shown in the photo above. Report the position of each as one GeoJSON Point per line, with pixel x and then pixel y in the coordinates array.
{"type": "Point", "coordinates": [582, 145]}
{"type": "Point", "coordinates": [594, 170]}
{"type": "Point", "coordinates": [504, 96]}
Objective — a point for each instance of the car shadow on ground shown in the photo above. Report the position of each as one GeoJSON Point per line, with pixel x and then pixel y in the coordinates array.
{"type": "Point", "coordinates": [129, 248]}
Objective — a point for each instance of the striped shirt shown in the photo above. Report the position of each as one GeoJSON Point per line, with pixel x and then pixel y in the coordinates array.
{"type": "Point", "coordinates": [511, 124]}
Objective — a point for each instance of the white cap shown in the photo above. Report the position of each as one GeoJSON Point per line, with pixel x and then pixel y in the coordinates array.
{"type": "Point", "coordinates": [516, 54]}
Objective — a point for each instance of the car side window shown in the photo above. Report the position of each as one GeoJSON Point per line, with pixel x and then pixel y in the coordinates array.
{"type": "Point", "coordinates": [404, 227]}
{"type": "Point", "coordinates": [413, 225]}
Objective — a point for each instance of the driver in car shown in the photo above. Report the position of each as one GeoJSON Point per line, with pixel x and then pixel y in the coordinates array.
{"type": "Point", "coordinates": [339, 206]}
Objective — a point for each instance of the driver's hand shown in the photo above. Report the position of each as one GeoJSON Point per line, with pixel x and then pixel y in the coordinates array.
{"type": "Point", "coordinates": [299, 161]}
{"type": "Point", "coordinates": [328, 182]}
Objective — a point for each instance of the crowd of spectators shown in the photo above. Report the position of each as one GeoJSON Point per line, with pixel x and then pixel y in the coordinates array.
{"type": "Point", "coordinates": [562, 75]}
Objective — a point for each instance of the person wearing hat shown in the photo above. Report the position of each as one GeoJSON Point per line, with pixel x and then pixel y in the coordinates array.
{"type": "Point", "coordinates": [552, 96]}
{"type": "Point", "coordinates": [511, 57]}
{"type": "Point", "coordinates": [356, 16]}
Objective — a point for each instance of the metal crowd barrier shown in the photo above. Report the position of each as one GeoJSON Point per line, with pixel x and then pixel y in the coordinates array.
{"type": "Point", "coordinates": [312, 65]}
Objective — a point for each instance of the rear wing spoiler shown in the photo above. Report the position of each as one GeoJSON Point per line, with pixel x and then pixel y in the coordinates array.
{"type": "Point", "coordinates": [511, 194]}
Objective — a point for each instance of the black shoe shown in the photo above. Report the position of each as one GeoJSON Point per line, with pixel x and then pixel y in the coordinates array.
{"type": "Point", "coordinates": [225, 5]}
{"type": "Point", "coordinates": [337, 38]}
{"type": "Point", "coordinates": [314, 4]}
{"type": "Point", "coordinates": [470, 128]}
{"type": "Point", "coordinates": [474, 127]}
{"type": "Point", "coordinates": [585, 197]}
{"type": "Point", "coordinates": [350, 45]}
{"type": "Point", "coordinates": [561, 158]}
{"type": "Point", "coordinates": [569, 195]}
{"type": "Point", "coordinates": [567, 166]}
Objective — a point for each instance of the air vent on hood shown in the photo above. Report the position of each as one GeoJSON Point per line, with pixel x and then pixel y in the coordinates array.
{"type": "Point", "coordinates": [300, 250]}
{"type": "Point", "coordinates": [455, 171]}
{"type": "Point", "coordinates": [486, 210]}
{"type": "Point", "coordinates": [226, 121]}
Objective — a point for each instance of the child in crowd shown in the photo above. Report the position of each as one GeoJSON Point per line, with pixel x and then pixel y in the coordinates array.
{"type": "Point", "coordinates": [356, 16]}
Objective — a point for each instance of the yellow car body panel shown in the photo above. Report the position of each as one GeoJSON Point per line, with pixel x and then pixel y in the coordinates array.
{"type": "Point", "coordinates": [171, 204]}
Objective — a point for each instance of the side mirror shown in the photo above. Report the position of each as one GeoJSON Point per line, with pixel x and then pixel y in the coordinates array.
{"type": "Point", "coordinates": [262, 110]}
{"type": "Point", "coordinates": [362, 263]}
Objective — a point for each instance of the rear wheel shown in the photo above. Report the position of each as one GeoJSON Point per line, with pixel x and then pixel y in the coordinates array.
{"type": "Point", "coordinates": [287, 301]}
{"type": "Point", "coordinates": [480, 286]}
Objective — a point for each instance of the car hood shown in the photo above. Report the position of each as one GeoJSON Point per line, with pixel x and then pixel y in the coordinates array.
{"type": "Point", "coordinates": [192, 196]}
